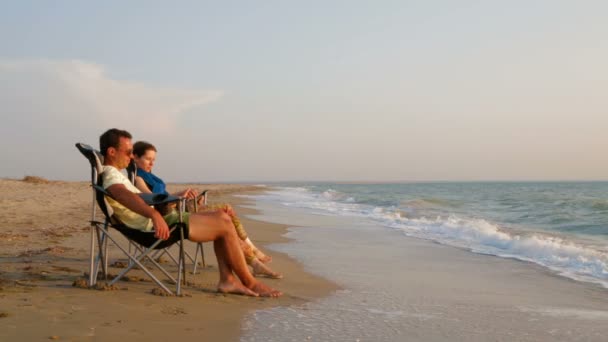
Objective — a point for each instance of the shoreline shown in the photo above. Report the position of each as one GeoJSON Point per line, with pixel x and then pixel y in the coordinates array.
{"type": "Point", "coordinates": [43, 251]}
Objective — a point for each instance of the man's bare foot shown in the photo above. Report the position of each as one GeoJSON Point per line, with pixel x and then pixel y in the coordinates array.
{"type": "Point", "coordinates": [265, 290]}
{"type": "Point", "coordinates": [259, 269]}
{"type": "Point", "coordinates": [237, 288]}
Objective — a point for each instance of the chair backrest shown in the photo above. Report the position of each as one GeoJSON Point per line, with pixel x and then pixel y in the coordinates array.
{"type": "Point", "coordinates": [132, 171]}
{"type": "Point", "coordinates": [95, 159]}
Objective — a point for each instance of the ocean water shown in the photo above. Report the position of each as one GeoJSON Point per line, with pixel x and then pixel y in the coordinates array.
{"type": "Point", "coordinates": [562, 226]}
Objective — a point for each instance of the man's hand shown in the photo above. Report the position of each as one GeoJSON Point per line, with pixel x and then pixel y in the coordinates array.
{"type": "Point", "coordinates": [161, 229]}
{"type": "Point", "coordinates": [135, 203]}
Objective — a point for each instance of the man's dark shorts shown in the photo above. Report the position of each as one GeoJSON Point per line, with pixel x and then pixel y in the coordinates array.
{"type": "Point", "coordinates": [172, 219]}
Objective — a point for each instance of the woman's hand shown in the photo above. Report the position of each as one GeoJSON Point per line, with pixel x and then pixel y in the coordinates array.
{"type": "Point", "coordinates": [228, 210]}
{"type": "Point", "coordinates": [188, 193]}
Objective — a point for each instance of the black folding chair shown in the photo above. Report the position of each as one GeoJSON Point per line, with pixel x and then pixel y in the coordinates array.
{"type": "Point", "coordinates": [145, 242]}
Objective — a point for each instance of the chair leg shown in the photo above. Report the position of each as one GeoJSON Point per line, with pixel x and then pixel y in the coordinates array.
{"type": "Point", "coordinates": [166, 252]}
{"type": "Point", "coordinates": [101, 257]}
{"type": "Point", "coordinates": [98, 261]}
{"type": "Point", "coordinates": [199, 246]}
{"type": "Point", "coordinates": [182, 263]}
{"type": "Point", "coordinates": [131, 246]}
{"type": "Point", "coordinates": [105, 256]}
{"type": "Point", "coordinates": [92, 279]}
{"type": "Point", "coordinates": [146, 253]}
{"type": "Point", "coordinates": [188, 256]}
{"type": "Point", "coordinates": [136, 261]}
{"type": "Point", "coordinates": [159, 253]}
{"type": "Point", "coordinates": [202, 254]}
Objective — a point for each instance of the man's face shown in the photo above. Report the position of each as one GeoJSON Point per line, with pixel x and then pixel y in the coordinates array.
{"type": "Point", "coordinates": [121, 156]}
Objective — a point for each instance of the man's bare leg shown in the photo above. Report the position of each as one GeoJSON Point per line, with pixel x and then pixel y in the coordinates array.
{"type": "Point", "coordinates": [228, 282]}
{"type": "Point", "coordinates": [218, 227]}
{"type": "Point", "coordinates": [229, 247]}
{"type": "Point", "coordinates": [243, 234]}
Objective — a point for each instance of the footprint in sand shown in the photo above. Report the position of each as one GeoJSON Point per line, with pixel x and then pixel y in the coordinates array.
{"type": "Point", "coordinates": [174, 311]}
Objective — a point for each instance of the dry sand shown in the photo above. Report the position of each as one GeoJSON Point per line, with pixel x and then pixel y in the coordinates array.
{"type": "Point", "coordinates": [44, 239]}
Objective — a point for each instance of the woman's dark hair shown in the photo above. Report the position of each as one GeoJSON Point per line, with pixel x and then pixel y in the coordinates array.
{"type": "Point", "coordinates": [140, 148]}
{"type": "Point", "coordinates": [111, 138]}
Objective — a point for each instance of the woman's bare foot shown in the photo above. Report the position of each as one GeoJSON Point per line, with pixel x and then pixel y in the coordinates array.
{"type": "Point", "coordinates": [259, 269]}
{"type": "Point", "coordinates": [237, 288]}
{"type": "Point", "coordinates": [261, 256]}
{"type": "Point", "coordinates": [264, 290]}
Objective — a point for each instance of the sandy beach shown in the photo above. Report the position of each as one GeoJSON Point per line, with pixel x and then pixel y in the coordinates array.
{"type": "Point", "coordinates": [44, 236]}
{"type": "Point", "coordinates": [375, 286]}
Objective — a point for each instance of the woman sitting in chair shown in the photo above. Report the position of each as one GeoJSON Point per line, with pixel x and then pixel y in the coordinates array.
{"type": "Point", "coordinates": [147, 182]}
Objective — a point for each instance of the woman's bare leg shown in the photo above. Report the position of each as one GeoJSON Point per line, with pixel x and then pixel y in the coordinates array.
{"type": "Point", "coordinates": [258, 253]}
{"type": "Point", "coordinates": [259, 269]}
{"type": "Point", "coordinates": [240, 230]}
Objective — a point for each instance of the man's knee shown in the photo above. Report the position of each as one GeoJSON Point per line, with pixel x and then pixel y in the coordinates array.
{"type": "Point", "coordinates": [225, 221]}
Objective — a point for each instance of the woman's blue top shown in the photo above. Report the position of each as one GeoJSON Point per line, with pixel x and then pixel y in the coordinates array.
{"type": "Point", "coordinates": [155, 184]}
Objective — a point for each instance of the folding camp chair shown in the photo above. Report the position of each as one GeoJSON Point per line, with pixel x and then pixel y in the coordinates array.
{"type": "Point", "coordinates": [145, 241]}
{"type": "Point", "coordinates": [132, 173]}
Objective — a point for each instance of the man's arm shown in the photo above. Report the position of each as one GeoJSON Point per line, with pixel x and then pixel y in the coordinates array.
{"type": "Point", "coordinates": [133, 202]}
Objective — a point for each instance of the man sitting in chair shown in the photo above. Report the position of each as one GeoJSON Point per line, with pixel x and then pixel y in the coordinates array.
{"type": "Point", "coordinates": [117, 149]}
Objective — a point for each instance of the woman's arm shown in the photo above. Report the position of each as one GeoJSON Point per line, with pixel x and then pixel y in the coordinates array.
{"type": "Point", "coordinates": [141, 185]}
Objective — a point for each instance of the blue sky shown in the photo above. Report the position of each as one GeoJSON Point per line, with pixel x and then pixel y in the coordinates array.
{"type": "Point", "coordinates": [319, 90]}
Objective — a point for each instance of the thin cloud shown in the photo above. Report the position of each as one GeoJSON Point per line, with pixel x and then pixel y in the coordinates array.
{"type": "Point", "coordinates": [54, 103]}
{"type": "Point", "coordinates": [113, 102]}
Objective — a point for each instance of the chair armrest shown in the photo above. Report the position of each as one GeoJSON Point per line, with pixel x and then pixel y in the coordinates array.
{"type": "Point", "coordinates": [102, 190]}
{"type": "Point", "coordinates": [150, 199]}
{"type": "Point", "coordinates": [155, 199]}
{"type": "Point", "coordinates": [202, 195]}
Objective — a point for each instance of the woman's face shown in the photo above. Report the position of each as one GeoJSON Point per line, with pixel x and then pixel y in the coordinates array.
{"type": "Point", "coordinates": [146, 161]}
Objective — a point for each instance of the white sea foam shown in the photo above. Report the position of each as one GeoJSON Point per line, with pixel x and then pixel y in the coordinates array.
{"type": "Point", "coordinates": [568, 312]}
{"type": "Point", "coordinates": [573, 259]}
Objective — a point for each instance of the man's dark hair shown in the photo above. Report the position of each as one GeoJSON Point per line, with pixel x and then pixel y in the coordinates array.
{"type": "Point", "coordinates": [111, 138]}
{"type": "Point", "coordinates": [140, 148]}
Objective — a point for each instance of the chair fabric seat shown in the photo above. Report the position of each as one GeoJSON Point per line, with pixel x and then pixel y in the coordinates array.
{"type": "Point", "coordinates": [147, 239]}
